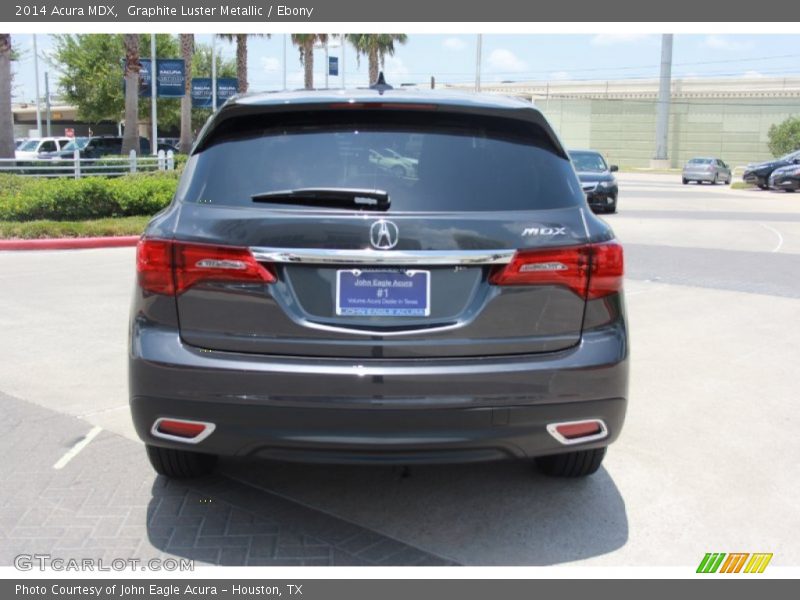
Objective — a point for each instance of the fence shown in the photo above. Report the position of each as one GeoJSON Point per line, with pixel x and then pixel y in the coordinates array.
{"type": "Point", "coordinates": [77, 167]}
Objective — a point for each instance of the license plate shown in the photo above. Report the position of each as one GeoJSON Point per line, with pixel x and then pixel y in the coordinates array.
{"type": "Point", "coordinates": [383, 293]}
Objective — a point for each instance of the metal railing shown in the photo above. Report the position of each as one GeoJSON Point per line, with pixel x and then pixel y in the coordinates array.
{"type": "Point", "coordinates": [77, 167]}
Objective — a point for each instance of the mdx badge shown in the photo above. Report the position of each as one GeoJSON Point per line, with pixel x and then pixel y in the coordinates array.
{"type": "Point", "coordinates": [544, 231]}
{"type": "Point", "coordinates": [383, 235]}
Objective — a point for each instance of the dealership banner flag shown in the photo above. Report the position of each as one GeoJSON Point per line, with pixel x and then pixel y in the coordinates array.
{"type": "Point", "coordinates": [227, 87]}
{"type": "Point", "coordinates": [170, 81]}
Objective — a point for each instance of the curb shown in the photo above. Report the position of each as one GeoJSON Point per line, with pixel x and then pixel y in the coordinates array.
{"type": "Point", "coordinates": [70, 243]}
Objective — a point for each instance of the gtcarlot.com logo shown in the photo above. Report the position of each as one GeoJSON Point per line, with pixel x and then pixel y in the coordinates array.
{"type": "Point", "coordinates": [29, 562]}
{"type": "Point", "coordinates": [734, 562]}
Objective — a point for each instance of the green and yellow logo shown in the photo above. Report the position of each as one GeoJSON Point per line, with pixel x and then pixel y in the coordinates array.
{"type": "Point", "coordinates": [735, 562]}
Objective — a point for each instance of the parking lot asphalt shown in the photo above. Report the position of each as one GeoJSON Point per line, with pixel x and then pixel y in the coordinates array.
{"type": "Point", "coordinates": [708, 461]}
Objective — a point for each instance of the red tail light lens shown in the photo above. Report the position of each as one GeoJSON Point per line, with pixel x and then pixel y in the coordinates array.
{"type": "Point", "coordinates": [154, 266]}
{"type": "Point", "coordinates": [590, 271]}
{"type": "Point", "coordinates": [185, 429]}
{"type": "Point", "coordinates": [170, 268]}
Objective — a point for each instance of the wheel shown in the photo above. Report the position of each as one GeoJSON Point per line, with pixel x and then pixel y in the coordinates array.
{"type": "Point", "coordinates": [714, 181]}
{"type": "Point", "coordinates": [571, 464]}
{"type": "Point", "coordinates": [685, 181]}
{"type": "Point", "coordinates": [761, 186]}
{"type": "Point", "coordinates": [612, 208]}
{"type": "Point", "coordinates": [180, 464]}
{"type": "Point", "coordinates": [398, 171]}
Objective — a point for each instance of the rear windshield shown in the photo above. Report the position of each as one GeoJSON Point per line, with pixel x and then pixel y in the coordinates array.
{"type": "Point", "coordinates": [425, 161]}
{"type": "Point", "coordinates": [701, 161]}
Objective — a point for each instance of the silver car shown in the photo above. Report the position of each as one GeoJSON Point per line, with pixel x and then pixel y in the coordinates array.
{"type": "Point", "coordinates": [712, 170]}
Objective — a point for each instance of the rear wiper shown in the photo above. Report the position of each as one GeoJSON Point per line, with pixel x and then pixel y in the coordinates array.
{"type": "Point", "coordinates": [352, 198]}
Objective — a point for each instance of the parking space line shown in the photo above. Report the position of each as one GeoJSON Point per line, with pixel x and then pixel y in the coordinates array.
{"type": "Point", "coordinates": [776, 232]}
{"type": "Point", "coordinates": [73, 452]}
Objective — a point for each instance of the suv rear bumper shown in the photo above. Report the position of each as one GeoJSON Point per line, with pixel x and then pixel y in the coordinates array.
{"type": "Point", "coordinates": [411, 410]}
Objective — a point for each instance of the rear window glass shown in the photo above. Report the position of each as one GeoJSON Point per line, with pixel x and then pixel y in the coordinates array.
{"type": "Point", "coordinates": [425, 161]}
{"type": "Point", "coordinates": [701, 161]}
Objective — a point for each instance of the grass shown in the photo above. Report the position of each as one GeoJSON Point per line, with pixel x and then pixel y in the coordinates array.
{"type": "Point", "coordinates": [741, 185]}
{"type": "Point", "coordinates": [31, 230]}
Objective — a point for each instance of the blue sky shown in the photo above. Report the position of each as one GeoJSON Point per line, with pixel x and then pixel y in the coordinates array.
{"type": "Point", "coordinates": [451, 59]}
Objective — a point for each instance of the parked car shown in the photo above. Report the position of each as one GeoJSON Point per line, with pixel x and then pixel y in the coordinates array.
{"type": "Point", "coordinates": [394, 163]}
{"type": "Point", "coordinates": [67, 150]}
{"type": "Point", "coordinates": [295, 301]}
{"type": "Point", "coordinates": [32, 148]}
{"type": "Point", "coordinates": [785, 178]}
{"type": "Point", "coordinates": [597, 180]}
{"type": "Point", "coordinates": [758, 174]}
{"type": "Point", "coordinates": [103, 145]}
{"type": "Point", "coordinates": [709, 169]}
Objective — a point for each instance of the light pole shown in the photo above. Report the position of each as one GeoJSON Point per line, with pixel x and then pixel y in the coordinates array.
{"type": "Point", "coordinates": [661, 159]}
{"type": "Point", "coordinates": [478, 64]}
{"type": "Point", "coordinates": [214, 72]}
{"type": "Point", "coordinates": [153, 94]}
{"type": "Point", "coordinates": [38, 97]}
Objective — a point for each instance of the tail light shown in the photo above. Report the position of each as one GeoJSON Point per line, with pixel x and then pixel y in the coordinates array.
{"type": "Point", "coordinates": [590, 271]}
{"type": "Point", "coordinates": [170, 268]}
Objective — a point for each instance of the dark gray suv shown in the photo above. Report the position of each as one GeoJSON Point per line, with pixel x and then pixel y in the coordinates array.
{"type": "Point", "coordinates": [299, 301]}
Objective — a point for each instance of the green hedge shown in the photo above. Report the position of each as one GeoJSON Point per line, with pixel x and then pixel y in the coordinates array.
{"type": "Point", "coordinates": [29, 198]}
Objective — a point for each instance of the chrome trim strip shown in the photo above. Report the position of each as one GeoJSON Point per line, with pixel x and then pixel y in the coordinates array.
{"type": "Point", "coordinates": [210, 427]}
{"type": "Point", "coordinates": [325, 256]}
{"type": "Point", "coordinates": [603, 433]}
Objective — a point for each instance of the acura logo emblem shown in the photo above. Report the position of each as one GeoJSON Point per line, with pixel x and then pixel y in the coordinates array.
{"type": "Point", "coordinates": [383, 235]}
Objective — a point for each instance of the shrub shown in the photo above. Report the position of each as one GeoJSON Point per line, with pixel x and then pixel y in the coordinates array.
{"type": "Point", "coordinates": [784, 137]}
{"type": "Point", "coordinates": [29, 199]}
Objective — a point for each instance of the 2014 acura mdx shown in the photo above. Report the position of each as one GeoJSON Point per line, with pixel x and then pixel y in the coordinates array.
{"type": "Point", "coordinates": [298, 301]}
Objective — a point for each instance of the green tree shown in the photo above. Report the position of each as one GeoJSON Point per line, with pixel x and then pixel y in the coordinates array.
{"type": "Point", "coordinates": [375, 47]}
{"type": "Point", "coordinates": [784, 137]}
{"type": "Point", "coordinates": [92, 75]}
{"type": "Point", "coordinates": [6, 116]}
{"type": "Point", "coordinates": [305, 43]}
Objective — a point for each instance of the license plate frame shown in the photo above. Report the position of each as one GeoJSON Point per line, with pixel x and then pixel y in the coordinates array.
{"type": "Point", "coordinates": [391, 297]}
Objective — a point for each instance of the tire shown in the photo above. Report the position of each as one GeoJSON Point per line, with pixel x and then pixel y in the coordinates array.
{"type": "Point", "coordinates": [180, 464]}
{"type": "Point", "coordinates": [398, 171]}
{"type": "Point", "coordinates": [612, 208]}
{"type": "Point", "coordinates": [571, 464]}
{"type": "Point", "coordinates": [761, 186]}
{"type": "Point", "coordinates": [714, 181]}
{"type": "Point", "coordinates": [685, 181]}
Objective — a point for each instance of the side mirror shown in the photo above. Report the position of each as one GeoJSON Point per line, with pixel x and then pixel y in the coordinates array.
{"type": "Point", "coordinates": [613, 168]}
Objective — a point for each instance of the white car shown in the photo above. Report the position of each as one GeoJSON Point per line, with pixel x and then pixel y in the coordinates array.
{"type": "Point", "coordinates": [32, 148]}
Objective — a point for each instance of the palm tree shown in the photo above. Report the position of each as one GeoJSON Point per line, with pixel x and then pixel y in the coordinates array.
{"type": "Point", "coordinates": [305, 43]}
{"type": "Point", "coordinates": [6, 117]}
{"type": "Point", "coordinates": [375, 47]}
{"type": "Point", "coordinates": [241, 56]}
{"type": "Point", "coordinates": [187, 51]}
{"type": "Point", "coordinates": [130, 137]}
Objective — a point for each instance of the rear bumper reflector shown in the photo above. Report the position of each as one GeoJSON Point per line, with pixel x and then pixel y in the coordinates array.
{"type": "Point", "coordinates": [181, 430]}
{"type": "Point", "coordinates": [578, 432]}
